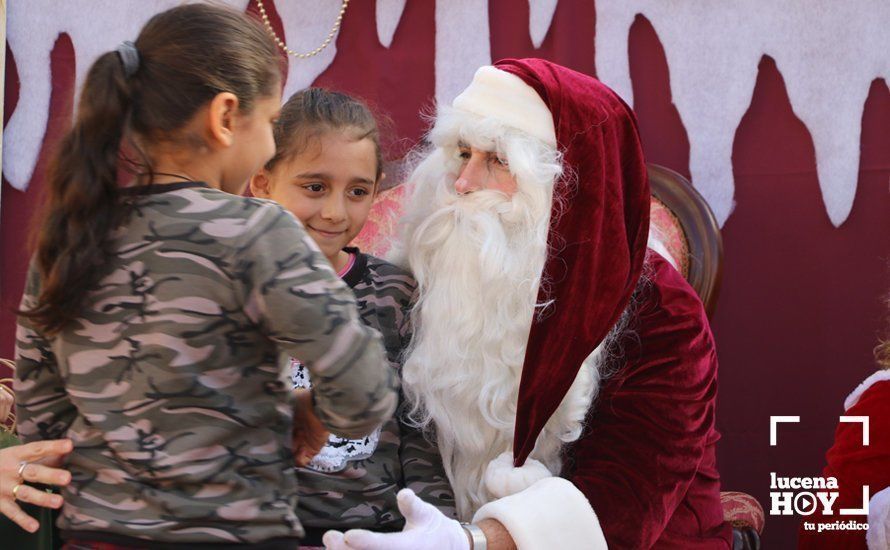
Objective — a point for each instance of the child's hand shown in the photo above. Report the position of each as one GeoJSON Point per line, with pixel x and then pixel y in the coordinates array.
{"type": "Point", "coordinates": [309, 435]}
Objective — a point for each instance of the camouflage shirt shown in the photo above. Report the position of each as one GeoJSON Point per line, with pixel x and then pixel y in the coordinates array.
{"type": "Point", "coordinates": [353, 483]}
{"type": "Point", "coordinates": [174, 383]}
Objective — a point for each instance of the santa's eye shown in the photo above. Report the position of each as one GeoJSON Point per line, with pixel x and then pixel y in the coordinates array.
{"type": "Point", "coordinates": [464, 154]}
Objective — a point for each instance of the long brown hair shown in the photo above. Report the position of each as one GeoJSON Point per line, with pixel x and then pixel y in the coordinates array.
{"type": "Point", "coordinates": [186, 56]}
{"type": "Point", "coordinates": [882, 354]}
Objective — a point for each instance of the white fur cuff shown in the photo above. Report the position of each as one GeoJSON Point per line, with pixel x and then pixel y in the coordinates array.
{"type": "Point", "coordinates": [854, 397]}
{"type": "Point", "coordinates": [878, 534]}
{"type": "Point", "coordinates": [552, 513]}
{"type": "Point", "coordinates": [503, 479]}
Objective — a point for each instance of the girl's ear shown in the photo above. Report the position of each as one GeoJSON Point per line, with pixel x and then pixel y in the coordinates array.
{"type": "Point", "coordinates": [221, 119]}
{"type": "Point", "coordinates": [261, 185]}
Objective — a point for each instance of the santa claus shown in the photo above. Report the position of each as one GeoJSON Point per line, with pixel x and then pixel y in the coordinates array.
{"type": "Point", "coordinates": [567, 374]}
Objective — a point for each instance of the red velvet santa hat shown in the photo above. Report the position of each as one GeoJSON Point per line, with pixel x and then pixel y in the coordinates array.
{"type": "Point", "coordinates": [598, 240]}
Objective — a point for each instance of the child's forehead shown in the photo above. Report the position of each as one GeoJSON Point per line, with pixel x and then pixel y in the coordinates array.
{"type": "Point", "coordinates": [348, 140]}
{"type": "Point", "coordinates": [319, 136]}
{"type": "Point", "coordinates": [311, 141]}
{"type": "Point", "coordinates": [334, 153]}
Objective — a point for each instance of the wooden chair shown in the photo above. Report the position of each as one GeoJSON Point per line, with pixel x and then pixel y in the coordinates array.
{"type": "Point", "coordinates": [684, 223]}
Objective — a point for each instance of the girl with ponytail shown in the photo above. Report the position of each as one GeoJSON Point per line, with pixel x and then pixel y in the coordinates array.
{"type": "Point", "coordinates": [155, 314]}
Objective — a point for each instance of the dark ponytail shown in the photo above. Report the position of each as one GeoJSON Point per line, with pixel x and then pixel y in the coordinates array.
{"type": "Point", "coordinates": [186, 56]}
{"type": "Point", "coordinates": [82, 196]}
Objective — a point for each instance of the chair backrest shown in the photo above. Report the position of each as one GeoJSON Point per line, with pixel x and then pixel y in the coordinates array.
{"type": "Point", "coordinates": [684, 223]}
{"type": "Point", "coordinates": [379, 232]}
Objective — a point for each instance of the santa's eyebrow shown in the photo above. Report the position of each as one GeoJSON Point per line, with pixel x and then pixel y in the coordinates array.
{"type": "Point", "coordinates": [464, 145]}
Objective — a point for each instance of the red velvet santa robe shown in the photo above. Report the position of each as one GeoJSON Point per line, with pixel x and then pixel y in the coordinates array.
{"type": "Point", "coordinates": [854, 465]}
{"type": "Point", "coordinates": [647, 461]}
{"type": "Point", "coordinates": [644, 473]}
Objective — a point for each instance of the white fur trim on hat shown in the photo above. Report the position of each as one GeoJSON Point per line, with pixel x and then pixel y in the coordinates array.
{"type": "Point", "coordinates": [878, 535]}
{"type": "Point", "coordinates": [504, 96]}
{"type": "Point", "coordinates": [552, 513]}
{"type": "Point", "coordinates": [503, 479]}
{"type": "Point", "coordinates": [854, 397]}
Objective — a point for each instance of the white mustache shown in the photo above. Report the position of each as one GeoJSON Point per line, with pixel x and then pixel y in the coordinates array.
{"type": "Point", "coordinates": [483, 200]}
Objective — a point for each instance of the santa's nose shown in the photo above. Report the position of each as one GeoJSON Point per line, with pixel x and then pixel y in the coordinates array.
{"type": "Point", "coordinates": [470, 178]}
{"type": "Point", "coordinates": [464, 186]}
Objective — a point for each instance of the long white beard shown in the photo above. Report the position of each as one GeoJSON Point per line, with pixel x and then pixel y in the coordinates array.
{"type": "Point", "coordinates": [478, 261]}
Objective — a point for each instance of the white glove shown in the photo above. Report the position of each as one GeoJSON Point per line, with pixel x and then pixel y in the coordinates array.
{"type": "Point", "coordinates": [426, 528]}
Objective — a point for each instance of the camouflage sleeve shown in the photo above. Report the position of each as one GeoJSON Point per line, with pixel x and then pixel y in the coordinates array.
{"type": "Point", "coordinates": [422, 467]}
{"type": "Point", "coordinates": [292, 293]}
{"type": "Point", "coordinates": [423, 471]}
{"type": "Point", "coordinates": [43, 409]}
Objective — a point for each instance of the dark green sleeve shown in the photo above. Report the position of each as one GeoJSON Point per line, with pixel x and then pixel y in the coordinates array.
{"type": "Point", "coordinates": [43, 408]}
{"type": "Point", "coordinates": [423, 471]}
{"type": "Point", "coordinates": [422, 467]}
